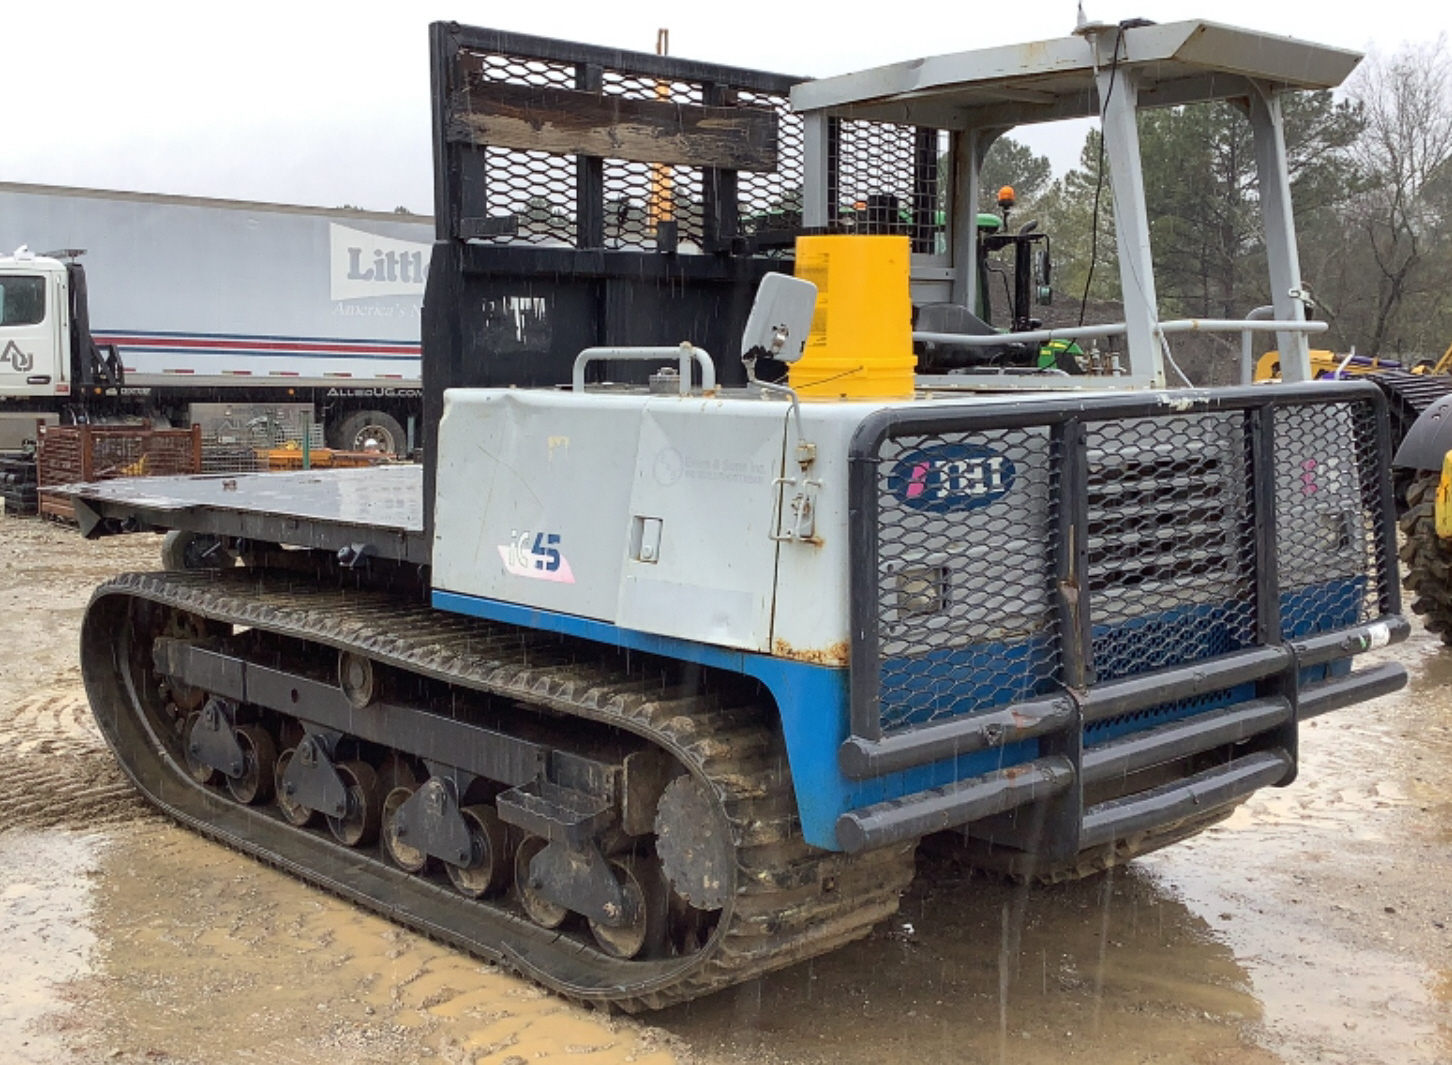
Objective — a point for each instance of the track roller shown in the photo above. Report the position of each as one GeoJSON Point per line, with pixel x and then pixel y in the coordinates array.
{"type": "Point", "coordinates": [539, 909]}
{"type": "Point", "coordinates": [357, 680]}
{"type": "Point", "coordinates": [359, 826]}
{"type": "Point", "coordinates": [293, 813]}
{"type": "Point", "coordinates": [259, 763]}
{"type": "Point", "coordinates": [488, 871]}
{"type": "Point", "coordinates": [644, 930]}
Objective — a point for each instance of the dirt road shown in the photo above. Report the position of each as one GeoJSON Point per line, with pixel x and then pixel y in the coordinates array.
{"type": "Point", "coordinates": [1314, 926]}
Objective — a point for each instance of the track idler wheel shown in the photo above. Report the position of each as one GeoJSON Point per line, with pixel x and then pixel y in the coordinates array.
{"type": "Point", "coordinates": [488, 870]}
{"type": "Point", "coordinates": [537, 908]}
{"type": "Point", "coordinates": [695, 843]}
{"type": "Point", "coordinates": [259, 764]}
{"type": "Point", "coordinates": [293, 813]}
{"type": "Point", "coordinates": [359, 826]}
{"type": "Point", "coordinates": [647, 909]}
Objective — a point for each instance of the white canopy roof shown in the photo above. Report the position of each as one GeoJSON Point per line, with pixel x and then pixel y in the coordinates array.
{"type": "Point", "coordinates": [1177, 63]}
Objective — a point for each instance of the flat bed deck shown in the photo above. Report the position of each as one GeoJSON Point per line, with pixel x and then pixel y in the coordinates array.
{"type": "Point", "coordinates": [378, 510]}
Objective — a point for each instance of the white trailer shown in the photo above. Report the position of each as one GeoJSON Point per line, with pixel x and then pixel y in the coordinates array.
{"type": "Point", "coordinates": [211, 301]}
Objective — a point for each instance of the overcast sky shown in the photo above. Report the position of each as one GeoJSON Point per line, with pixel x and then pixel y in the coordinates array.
{"type": "Point", "coordinates": [322, 102]}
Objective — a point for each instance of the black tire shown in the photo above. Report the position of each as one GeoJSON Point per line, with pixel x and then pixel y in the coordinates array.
{"type": "Point", "coordinates": [182, 551]}
{"type": "Point", "coordinates": [370, 430]}
{"type": "Point", "coordinates": [1428, 558]}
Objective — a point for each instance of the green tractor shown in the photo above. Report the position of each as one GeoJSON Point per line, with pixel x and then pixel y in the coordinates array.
{"type": "Point", "coordinates": [1032, 271]}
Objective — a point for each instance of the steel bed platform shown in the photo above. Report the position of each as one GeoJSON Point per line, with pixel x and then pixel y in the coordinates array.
{"type": "Point", "coordinates": [376, 511]}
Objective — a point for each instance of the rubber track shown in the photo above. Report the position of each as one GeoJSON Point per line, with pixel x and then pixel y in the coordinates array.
{"type": "Point", "coordinates": [791, 901]}
{"type": "Point", "coordinates": [1412, 393]}
{"type": "Point", "coordinates": [1408, 395]}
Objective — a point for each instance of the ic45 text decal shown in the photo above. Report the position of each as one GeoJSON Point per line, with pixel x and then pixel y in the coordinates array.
{"type": "Point", "coordinates": [950, 477]}
{"type": "Point", "coordinates": [536, 555]}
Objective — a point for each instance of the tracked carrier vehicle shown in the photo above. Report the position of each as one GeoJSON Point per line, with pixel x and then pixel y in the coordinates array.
{"type": "Point", "coordinates": [652, 677]}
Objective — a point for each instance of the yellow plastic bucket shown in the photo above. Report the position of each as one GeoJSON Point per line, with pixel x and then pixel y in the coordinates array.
{"type": "Point", "coordinates": [861, 343]}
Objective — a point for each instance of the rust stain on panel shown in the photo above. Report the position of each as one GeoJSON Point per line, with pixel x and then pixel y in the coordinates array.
{"type": "Point", "coordinates": [837, 654]}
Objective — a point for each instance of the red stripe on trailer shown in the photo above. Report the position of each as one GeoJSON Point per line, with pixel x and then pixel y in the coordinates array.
{"type": "Point", "coordinates": [252, 345]}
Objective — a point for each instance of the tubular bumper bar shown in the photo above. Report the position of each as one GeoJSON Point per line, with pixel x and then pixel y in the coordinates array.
{"type": "Point", "coordinates": [1262, 719]}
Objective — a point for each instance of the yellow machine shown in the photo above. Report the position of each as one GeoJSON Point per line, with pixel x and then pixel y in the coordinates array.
{"type": "Point", "coordinates": [1333, 364]}
{"type": "Point", "coordinates": [1422, 469]}
{"type": "Point", "coordinates": [1426, 549]}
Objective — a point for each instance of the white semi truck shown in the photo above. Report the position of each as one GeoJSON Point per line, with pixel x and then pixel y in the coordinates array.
{"type": "Point", "coordinates": [197, 301]}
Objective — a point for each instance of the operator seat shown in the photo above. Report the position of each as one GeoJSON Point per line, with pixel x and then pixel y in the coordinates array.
{"type": "Point", "coordinates": [956, 318]}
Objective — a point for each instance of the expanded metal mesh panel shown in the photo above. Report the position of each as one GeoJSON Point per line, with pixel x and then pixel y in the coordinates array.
{"type": "Point", "coordinates": [1171, 548]}
{"type": "Point", "coordinates": [772, 200]}
{"type": "Point", "coordinates": [1330, 547]}
{"type": "Point", "coordinates": [536, 188]}
{"type": "Point", "coordinates": [1009, 559]}
{"type": "Point", "coordinates": [965, 601]}
{"type": "Point", "coordinates": [639, 196]}
{"type": "Point", "coordinates": [889, 179]}
{"type": "Point", "coordinates": [519, 70]}
{"type": "Point", "coordinates": [537, 194]}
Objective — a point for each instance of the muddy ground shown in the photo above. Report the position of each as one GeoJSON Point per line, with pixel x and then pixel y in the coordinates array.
{"type": "Point", "coordinates": [1314, 926]}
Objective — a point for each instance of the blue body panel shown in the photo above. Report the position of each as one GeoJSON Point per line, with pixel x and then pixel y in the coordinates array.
{"type": "Point", "coordinates": [813, 700]}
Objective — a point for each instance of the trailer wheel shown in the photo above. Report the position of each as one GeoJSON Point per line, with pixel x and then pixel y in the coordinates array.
{"type": "Point", "coordinates": [1428, 558]}
{"type": "Point", "coordinates": [370, 430]}
{"type": "Point", "coordinates": [182, 550]}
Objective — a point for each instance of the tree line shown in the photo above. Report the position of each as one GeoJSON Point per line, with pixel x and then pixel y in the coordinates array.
{"type": "Point", "coordinates": [1371, 182]}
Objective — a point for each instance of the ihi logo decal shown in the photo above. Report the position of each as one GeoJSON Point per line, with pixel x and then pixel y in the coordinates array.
{"type": "Point", "coordinates": [951, 477]}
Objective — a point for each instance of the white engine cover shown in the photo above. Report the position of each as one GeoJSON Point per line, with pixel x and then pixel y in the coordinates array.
{"type": "Point", "coordinates": [648, 512]}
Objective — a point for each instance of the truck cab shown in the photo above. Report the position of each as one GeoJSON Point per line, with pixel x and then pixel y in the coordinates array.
{"type": "Point", "coordinates": [48, 360]}
{"type": "Point", "coordinates": [34, 329]}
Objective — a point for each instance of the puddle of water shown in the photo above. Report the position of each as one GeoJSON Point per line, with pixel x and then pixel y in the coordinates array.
{"type": "Point", "coordinates": [204, 956]}
{"type": "Point", "coordinates": [1322, 999]}
{"type": "Point", "coordinates": [976, 970]}
{"type": "Point", "coordinates": [1322, 891]}
{"type": "Point", "coordinates": [45, 937]}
